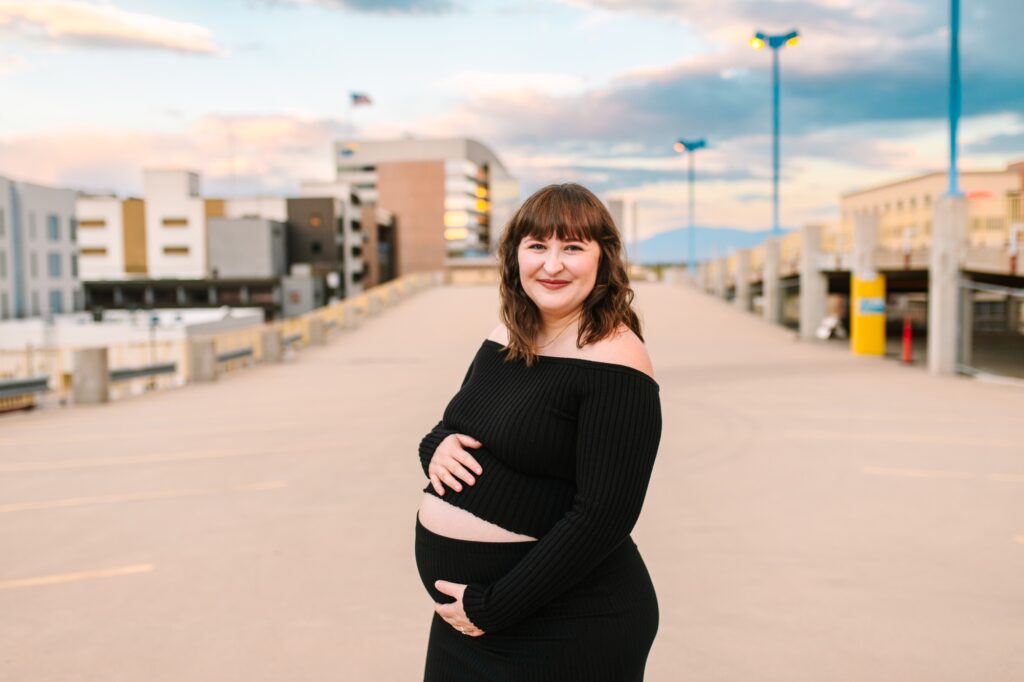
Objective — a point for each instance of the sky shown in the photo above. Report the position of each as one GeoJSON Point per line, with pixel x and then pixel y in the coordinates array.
{"type": "Point", "coordinates": [252, 93]}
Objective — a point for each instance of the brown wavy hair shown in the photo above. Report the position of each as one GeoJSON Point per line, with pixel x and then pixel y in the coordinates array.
{"type": "Point", "coordinates": [573, 213]}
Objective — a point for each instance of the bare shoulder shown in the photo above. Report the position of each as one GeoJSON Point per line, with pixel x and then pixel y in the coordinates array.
{"type": "Point", "coordinates": [499, 334]}
{"type": "Point", "coordinates": [623, 347]}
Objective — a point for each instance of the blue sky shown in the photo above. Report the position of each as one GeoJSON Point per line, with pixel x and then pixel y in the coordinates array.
{"type": "Point", "coordinates": [252, 92]}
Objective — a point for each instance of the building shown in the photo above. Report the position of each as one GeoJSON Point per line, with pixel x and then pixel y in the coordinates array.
{"type": "Point", "coordinates": [363, 236]}
{"type": "Point", "coordinates": [176, 224]}
{"type": "Point", "coordinates": [450, 197]}
{"type": "Point", "coordinates": [38, 251]}
{"type": "Point", "coordinates": [905, 207]}
{"type": "Point", "coordinates": [111, 237]}
{"type": "Point", "coordinates": [246, 248]}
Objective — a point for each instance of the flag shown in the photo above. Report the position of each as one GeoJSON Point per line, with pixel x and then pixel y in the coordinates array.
{"type": "Point", "coordinates": [360, 98]}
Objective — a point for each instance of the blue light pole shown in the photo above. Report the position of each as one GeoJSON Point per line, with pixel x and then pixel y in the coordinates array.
{"type": "Point", "coordinates": [690, 146]}
{"type": "Point", "coordinates": [775, 42]}
{"type": "Point", "coordinates": [954, 94]}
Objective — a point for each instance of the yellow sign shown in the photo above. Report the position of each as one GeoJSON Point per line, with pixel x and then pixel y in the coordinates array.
{"type": "Point", "coordinates": [867, 315]}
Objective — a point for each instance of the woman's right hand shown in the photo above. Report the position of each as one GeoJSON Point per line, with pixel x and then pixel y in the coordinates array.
{"type": "Point", "coordinates": [450, 460]}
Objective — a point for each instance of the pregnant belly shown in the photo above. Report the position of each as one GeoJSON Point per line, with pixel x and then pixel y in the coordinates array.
{"type": "Point", "coordinates": [446, 519]}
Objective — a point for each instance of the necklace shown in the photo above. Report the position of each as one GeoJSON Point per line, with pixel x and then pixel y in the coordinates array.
{"type": "Point", "coordinates": [559, 333]}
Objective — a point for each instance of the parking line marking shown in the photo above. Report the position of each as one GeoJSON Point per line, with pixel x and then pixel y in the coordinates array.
{"type": "Point", "coordinates": [76, 577]}
{"type": "Point", "coordinates": [1008, 478]}
{"type": "Point", "coordinates": [918, 473]}
{"type": "Point", "coordinates": [21, 467]}
{"type": "Point", "coordinates": [131, 497]}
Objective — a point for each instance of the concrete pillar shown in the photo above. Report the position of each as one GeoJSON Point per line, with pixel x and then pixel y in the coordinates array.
{"type": "Point", "coordinates": [867, 290]}
{"type": "Point", "coordinates": [721, 265]}
{"type": "Point", "coordinates": [244, 295]}
{"type": "Point", "coordinates": [118, 297]}
{"type": "Point", "coordinates": [202, 361]}
{"type": "Point", "coordinates": [771, 292]}
{"type": "Point", "coordinates": [949, 230]}
{"type": "Point", "coordinates": [212, 294]}
{"type": "Point", "coordinates": [373, 304]}
{"type": "Point", "coordinates": [813, 282]}
{"type": "Point", "coordinates": [270, 339]}
{"type": "Point", "coordinates": [90, 376]}
{"type": "Point", "coordinates": [436, 278]}
{"type": "Point", "coordinates": [179, 293]}
{"type": "Point", "coordinates": [742, 298]}
{"type": "Point", "coordinates": [147, 296]}
{"type": "Point", "coordinates": [317, 332]}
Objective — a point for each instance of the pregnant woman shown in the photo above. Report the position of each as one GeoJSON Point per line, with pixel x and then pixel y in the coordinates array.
{"type": "Point", "coordinates": [539, 467]}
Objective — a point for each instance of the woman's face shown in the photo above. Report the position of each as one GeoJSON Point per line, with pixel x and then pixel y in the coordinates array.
{"type": "Point", "coordinates": [572, 262]}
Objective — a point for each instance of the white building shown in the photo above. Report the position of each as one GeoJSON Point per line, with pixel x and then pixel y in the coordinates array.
{"type": "Point", "coordinates": [38, 254]}
{"type": "Point", "coordinates": [175, 225]}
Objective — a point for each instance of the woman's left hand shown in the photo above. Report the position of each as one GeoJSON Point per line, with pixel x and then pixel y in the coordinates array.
{"type": "Point", "coordinates": [453, 613]}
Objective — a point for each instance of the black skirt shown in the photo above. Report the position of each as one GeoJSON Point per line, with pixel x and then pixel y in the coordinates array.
{"type": "Point", "coordinates": [601, 629]}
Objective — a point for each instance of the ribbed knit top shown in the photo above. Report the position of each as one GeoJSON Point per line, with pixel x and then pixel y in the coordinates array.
{"type": "Point", "coordinates": [568, 447]}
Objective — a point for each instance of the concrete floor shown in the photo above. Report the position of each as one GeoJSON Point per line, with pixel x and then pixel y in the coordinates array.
{"type": "Point", "coordinates": [812, 516]}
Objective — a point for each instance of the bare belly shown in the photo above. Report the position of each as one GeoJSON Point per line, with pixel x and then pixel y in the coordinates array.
{"type": "Point", "coordinates": [448, 520]}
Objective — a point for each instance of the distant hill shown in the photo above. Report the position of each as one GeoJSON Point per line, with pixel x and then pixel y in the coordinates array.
{"type": "Point", "coordinates": [673, 246]}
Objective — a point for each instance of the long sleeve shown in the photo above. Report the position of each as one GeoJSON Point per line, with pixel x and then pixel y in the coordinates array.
{"type": "Point", "coordinates": [437, 434]}
{"type": "Point", "coordinates": [619, 429]}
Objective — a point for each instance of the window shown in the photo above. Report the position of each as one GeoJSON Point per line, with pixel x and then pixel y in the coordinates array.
{"type": "Point", "coordinates": [175, 250]}
{"type": "Point", "coordinates": [56, 304]}
{"type": "Point", "coordinates": [73, 229]}
{"type": "Point", "coordinates": [33, 266]}
{"type": "Point", "coordinates": [3, 226]}
{"type": "Point", "coordinates": [35, 302]}
{"type": "Point", "coordinates": [92, 222]}
{"type": "Point", "coordinates": [3, 264]}
{"type": "Point", "coordinates": [32, 226]}
{"type": "Point", "coordinates": [74, 265]}
{"type": "Point", "coordinates": [175, 222]}
{"type": "Point", "coordinates": [93, 251]}
{"type": "Point", "coordinates": [53, 227]}
{"type": "Point", "coordinates": [53, 265]}
{"type": "Point", "coordinates": [4, 310]}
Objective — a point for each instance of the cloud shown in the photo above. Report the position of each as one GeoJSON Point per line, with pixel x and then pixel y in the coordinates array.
{"type": "Point", "coordinates": [490, 83]}
{"type": "Point", "coordinates": [88, 24]}
{"type": "Point", "coordinates": [376, 6]}
{"type": "Point", "coordinates": [252, 154]}
{"type": "Point", "coordinates": [11, 64]}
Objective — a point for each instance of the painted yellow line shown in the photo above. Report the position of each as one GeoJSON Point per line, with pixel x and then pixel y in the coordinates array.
{"type": "Point", "coordinates": [75, 577]}
{"type": "Point", "coordinates": [21, 467]}
{"type": "Point", "coordinates": [1009, 478]}
{"type": "Point", "coordinates": [917, 473]}
{"type": "Point", "coordinates": [131, 497]}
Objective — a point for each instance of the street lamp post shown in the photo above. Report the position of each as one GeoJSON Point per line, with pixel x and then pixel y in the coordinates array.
{"type": "Point", "coordinates": [775, 42]}
{"type": "Point", "coordinates": [690, 146]}
{"type": "Point", "coordinates": [954, 94]}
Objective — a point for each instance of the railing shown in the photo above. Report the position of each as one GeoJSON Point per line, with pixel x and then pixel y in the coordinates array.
{"type": "Point", "coordinates": [43, 375]}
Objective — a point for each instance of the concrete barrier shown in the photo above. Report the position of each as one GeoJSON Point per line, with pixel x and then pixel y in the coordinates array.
{"type": "Point", "coordinates": [90, 378]}
{"type": "Point", "coordinates": [202, 361]}
{"type": "Point", "coordinates": [272, 346]}
{"type": "Point", "coordinates": [317, 332]}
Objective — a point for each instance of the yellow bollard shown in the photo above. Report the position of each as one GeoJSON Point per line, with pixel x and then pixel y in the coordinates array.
{"type": "Point", "coordinates": [867, 315]}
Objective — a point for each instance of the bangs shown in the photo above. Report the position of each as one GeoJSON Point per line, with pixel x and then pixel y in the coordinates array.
{"type": "Point", "coordinates": [562, 211]}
